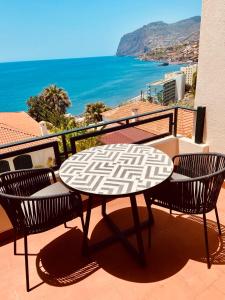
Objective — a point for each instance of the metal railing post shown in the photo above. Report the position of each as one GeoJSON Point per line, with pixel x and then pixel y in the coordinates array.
{"type": "Point", "coordinates": [65, 150]}
{"type": "Point", "coordinates": [200, 122]}
{"type": "Point", "coordinates": [57, 154]}
{"type": "Point", "coordinates": [73, 145]}
{"type": "Point", "coordinates": [175, 121]}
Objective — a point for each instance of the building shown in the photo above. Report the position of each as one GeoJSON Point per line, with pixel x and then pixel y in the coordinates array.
{"type": "Point", "coordinates": [211, 73]}
{"type": "Point", "coordinates": [169, 89]}
{"type": "Point", "coordinates": [184, 128]}
{"type": "Point", "coordinates": [180, 78]}
{"type": "Point", "coordinates": [19, 126]}
{"type": "Point", "coordinates": [189, 72]}
{"type": "Point", "coordinates": [162, 91]}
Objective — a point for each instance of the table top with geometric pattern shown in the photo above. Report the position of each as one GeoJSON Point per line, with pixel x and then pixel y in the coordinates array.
{"type": "Point", "coordinates": [116, 169]}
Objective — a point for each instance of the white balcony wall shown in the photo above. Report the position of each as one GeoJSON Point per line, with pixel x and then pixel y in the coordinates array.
{"type": "Point", "coordinates": [43, 158]}
{"type": "Point", "coordinates": [211, 73]}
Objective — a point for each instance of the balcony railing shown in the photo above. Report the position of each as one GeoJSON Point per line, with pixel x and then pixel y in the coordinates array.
{"type": "Point", "coordinates": [78, 134]}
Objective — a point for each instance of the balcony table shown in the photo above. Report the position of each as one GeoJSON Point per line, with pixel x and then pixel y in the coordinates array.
{"type": "Point", "coordinates": [113, 171]}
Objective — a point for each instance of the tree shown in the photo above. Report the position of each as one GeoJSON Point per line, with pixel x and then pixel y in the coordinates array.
{"type": "Point", "coordinates": [38, 108]}
{"type": "Point", "coordinates": [188, 87]}
{"type": "Point", "coordinates": [57, 98]}
{"type": "Point", "coordinates": [93, 112]}
{"type": "Point", "coordinates": [49, 106]}
{"type": "Point", "coordinates": [194, 83]}
{"type": "Point", "coordinates": [70, 123]}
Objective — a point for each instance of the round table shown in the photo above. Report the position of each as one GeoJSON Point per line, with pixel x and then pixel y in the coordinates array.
{"type": "Point", "coordinates": [118, 169]}
{"type": "Point", "coordinates": [114, 171]}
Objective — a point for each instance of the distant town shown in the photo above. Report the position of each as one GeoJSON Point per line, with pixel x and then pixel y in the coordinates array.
{"type": "Point", "coordinates": [182, 53]}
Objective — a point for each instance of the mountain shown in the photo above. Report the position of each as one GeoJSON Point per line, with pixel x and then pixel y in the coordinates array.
{"type": "Point", "coordinates": [159, 34]}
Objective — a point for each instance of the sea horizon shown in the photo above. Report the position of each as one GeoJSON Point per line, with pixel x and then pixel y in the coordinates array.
{"type": "Point", "coordinates": [59, 58]}
{"type": "Point", "coordinates": [110, 79]}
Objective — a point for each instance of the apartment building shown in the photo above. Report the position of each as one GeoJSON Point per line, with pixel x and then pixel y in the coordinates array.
{"type": "Point", "coordinates": [162, 91]}
{"type": "Point", "coordinates": [189, 72]}
{"type": "Point", "coordinates": [180, 78]}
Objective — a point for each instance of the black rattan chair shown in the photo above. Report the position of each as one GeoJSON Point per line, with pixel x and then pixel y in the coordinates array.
{"type": "Point", "coordinates": [35, 202]}
{"type": "Point", "coordinates": [193, 187]}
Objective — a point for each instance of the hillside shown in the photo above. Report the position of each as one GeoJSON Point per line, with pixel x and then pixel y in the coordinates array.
{"type": "Point", "coordinates": [159, 35]}
{"type": "Point", "coordinates": [185, 53]}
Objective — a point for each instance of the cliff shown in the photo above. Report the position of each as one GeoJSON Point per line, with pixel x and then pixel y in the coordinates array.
{"type": "Point", "coordinates": [159, 35]}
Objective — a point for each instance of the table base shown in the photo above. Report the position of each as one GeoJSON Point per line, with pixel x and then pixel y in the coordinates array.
{"type": "Point", "coordinates": [121, 235]}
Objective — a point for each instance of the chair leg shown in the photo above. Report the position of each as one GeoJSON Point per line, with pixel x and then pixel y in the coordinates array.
{"type": "Point", "coordinates": [82, 221]}
{"type": "Point", "coordinates": [26, 263]}
{"type": "Point", "coordinates": [218, 221]}
{"type": "Point", "coordinates": [206, 241]}
{"type": "Point", "coordinates": [171, 211]}
{"type": "Point", "coordinates": [103, 207]}
{"type": "Point", "coordinates": [14, 243]}
{"type": "Point", "coordinates": [86, 227]}
{"type": "Point", "coordinates": [65, 225]}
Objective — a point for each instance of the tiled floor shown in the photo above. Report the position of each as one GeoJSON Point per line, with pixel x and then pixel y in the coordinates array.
{"type": "Point", "coordinates": [176, 261]}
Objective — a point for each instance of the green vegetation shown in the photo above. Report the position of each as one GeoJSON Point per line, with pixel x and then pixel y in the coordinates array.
{"type": "Point", "coordinates": [69, 125]}
{"type": "Point", "coordinates": [50, 105]}
{"type": "Point", "coordinates": [93, 112]}
{"type": "Point", "coordinates": [194, 83]}
{"type": "Point", "coordinates": [184, 103]}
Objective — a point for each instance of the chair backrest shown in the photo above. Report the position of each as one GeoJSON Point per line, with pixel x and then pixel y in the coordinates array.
{"type": "Point", "coordinates": [25, 182]}
{"type": "Point", "coordinates": [199, 164]}
{"type": "Point", "coordinates": [201, 191]}
{"type": "Point", "coordinates": [32, 214]}
{"type": "Point", "coordinates": [37, 214]}
{"type": "Point", "coordinates": [4, 166]}
{"type": "Point", "coordinates": [23, 162]}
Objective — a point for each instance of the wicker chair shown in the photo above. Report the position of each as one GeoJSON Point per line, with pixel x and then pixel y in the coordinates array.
{"type": "Point", "coordinates": [193, 187]}
{"type": "Point", "coordinates": [34, 205]}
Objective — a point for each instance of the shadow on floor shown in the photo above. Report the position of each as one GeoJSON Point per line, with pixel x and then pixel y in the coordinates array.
{"type": "Point", "coordinates": [175, 240]}
{"type": "Point", "coordinates": [60, 263]}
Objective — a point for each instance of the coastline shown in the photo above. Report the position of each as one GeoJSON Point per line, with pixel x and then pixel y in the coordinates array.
{"type": "Point", "coordinates": [112, 80]}
{"type": "Point", "coordinates": [162, 61]}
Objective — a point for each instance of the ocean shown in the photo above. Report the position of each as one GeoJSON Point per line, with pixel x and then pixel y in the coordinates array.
{"type": "Point", "coordinates": [111, 79]}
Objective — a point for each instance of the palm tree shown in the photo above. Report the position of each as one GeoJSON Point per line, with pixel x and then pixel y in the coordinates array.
{"type": "Point", "coordinates": [93, 112]}
{"type": "Point", "coordinates": [56, 98]}
{"type": "Point", "coordinates": [38, 108]}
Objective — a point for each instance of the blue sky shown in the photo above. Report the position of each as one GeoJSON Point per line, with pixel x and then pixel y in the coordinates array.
{"type": "Point", "coordinates": [43, 29]}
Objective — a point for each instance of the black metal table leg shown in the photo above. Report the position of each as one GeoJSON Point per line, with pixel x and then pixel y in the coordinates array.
{"type": "Point", "coordinates": [118, 234]}
{"type": "Point", "coordinates": [150, 217]}
{"type": "Point", "coordinates": [86, 226]}
{"type": "Point", "coordinates": [137, 226]}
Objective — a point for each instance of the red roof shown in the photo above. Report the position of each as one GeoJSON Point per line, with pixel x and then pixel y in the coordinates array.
{"type": "Point", "coordinates": [18, 126]}
{"type": "Point", "coordinates": [125, 136]}
{"type": "Point", "coordinates": [185, 117]}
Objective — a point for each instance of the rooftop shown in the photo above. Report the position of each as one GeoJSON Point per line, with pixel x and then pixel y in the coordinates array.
{"type": "Point", "coordinates": [176, 261]}
{"type": "Point", "coordinates": [18, 126]}
{"type": "Point", "coordinates": [125, 136]}
{"type": "Point", "coordinates": [185, 117]}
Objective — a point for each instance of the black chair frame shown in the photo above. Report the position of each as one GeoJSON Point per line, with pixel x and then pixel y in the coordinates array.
{"type": "Point", "coordinates": [197, 191]}
{"type": "Point", "coordinates": [31, 215]}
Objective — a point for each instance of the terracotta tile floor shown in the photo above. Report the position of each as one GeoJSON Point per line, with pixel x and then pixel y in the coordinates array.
{"type": "Point", "coordinates": [176, 261]}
